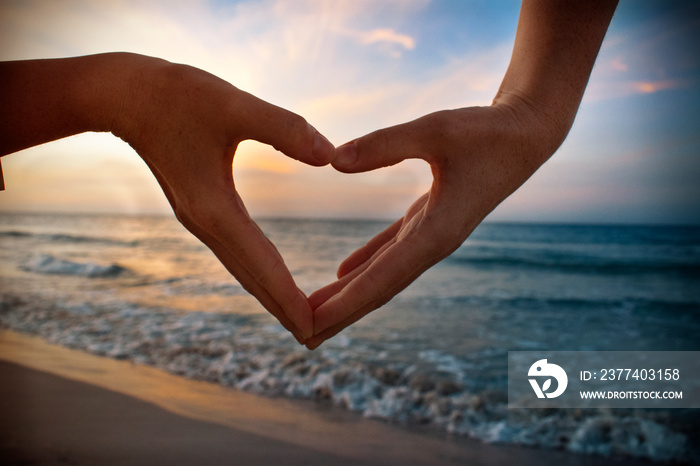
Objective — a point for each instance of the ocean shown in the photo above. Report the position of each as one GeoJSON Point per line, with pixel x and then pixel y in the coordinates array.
{"type": "Point", "coordinates": [143, 289]}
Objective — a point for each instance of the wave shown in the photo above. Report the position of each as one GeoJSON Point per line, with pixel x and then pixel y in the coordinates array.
{"type": "Point", "coordinates": [15, 234]}
{"type": "Point", "coordinates": [248, 354]}
{"type": "Point", "coordinates": [47, 264]}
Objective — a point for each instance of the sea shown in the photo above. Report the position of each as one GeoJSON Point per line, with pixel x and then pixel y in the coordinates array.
{"type": "Point", "coordinates": [141, 288]}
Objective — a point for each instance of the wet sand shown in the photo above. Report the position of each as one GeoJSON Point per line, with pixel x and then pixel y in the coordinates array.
{"type": "Point", "coordinates": [61, 406]}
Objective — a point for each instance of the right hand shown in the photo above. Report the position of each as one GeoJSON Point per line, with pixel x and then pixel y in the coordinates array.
{"type": "Point", "coordinates": [478, 157]}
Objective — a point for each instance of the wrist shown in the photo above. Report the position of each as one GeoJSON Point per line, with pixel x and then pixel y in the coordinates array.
{"type": "Point", "coordinates": [49, 99]}
{"type": "Point", "coordinates": [107, 96]}
{"type": "Point", "coordinates": [541, 128]}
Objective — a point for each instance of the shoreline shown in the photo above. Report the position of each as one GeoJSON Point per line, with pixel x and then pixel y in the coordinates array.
{"type": "Point", "coordinates": [52, 393]}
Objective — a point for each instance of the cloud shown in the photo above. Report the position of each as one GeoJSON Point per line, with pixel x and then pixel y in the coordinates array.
{"type": "Point", "coordinates": [389, 41]}
{"type": "Point", "coordinates": [388, 35]}
{"type": "Point", "coordinates": [599, 90]}
{"type": "Point", "coordinates": [646, 87]}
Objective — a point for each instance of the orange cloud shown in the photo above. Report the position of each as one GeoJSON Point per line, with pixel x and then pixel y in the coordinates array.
{"type": "Point", "coordinates": [647, 87]}
{"type": "Point", "coordinates": [604, 90]}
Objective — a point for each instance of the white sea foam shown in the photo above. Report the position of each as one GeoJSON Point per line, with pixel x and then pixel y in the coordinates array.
{"type": "Point", "coordinates": [248, 354]}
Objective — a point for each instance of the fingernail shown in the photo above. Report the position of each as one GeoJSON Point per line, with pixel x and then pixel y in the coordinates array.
{"type": "Point", "coordinates": [345, 155]}
{"type": "Point", "coordinates": [323, 150]}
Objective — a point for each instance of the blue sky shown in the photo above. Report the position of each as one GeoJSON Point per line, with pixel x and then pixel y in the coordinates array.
{"type": "Point", "coordinates": [354, 66]}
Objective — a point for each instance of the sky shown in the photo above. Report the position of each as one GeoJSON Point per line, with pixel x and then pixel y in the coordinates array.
{"type": "Point", "coordinates": [351, 67]}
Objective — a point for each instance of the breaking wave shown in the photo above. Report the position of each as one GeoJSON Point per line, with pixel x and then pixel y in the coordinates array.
{"type": "Point", "coordinates": [48, 264]}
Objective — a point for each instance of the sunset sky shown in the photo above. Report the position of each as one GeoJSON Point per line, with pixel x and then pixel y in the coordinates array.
{"type": "Point", "coordinates": [350, 67]}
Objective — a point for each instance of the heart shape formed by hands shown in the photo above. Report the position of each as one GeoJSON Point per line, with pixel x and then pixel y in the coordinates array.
{"type": "Point", "coordinates": [478, 156]}
{"type": "Point", "coordinates": [186, 124]}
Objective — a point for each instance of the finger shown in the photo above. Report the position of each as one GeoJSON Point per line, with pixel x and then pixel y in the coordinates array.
{"type": "Point", "coordinates": [358, 297]}
{"type": "Point", "coordinates": [382, 148]}
{"type": "Point", "coordinates": [264, 269]}
{"type": "Point", "coordinates": [238, 270]}
{"type": "Point", "coordinates": [355, 264]}
{"type": "Point", "coordinates": [320, 296]}
{"type": "Point", "coordinates": [394, 268]}
{"type": "Point", "coordinates": [380, 244]}
{"type": "Point", "coordinates": [287, 132]}
{"type": "Point", "coordinates": [362, 254]}
{"type": "Point", "coordinates": [298, 307]}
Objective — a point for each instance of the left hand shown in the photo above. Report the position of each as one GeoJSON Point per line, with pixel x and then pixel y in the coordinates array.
{"type": "Point", "coordinates": [186, 125]}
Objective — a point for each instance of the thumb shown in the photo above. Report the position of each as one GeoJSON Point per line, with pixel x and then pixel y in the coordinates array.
{"type": "Point", "coordinates": [287, 132]}
{"type": "Point", "coordinates": [381, 148]}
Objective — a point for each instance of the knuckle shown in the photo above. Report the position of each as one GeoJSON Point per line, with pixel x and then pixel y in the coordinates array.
{"type": "Point", "coordinates": [300, 137]}
{"type": "Point", "coordinates": [376, 146]}
{"type": "Point", "coordinates": [266, 278]}
{"type": "Point", "coordinates": [296, 124]}
{"type": "Point", "coordinates": [380, 300]}
{"type": "Point", "coordinates": [382, 291]}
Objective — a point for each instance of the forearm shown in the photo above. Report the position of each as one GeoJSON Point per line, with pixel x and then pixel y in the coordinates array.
{"type": "Point", "coordinates": [45, 100]}
{"type": "Point", "coordinates": [555, 48]}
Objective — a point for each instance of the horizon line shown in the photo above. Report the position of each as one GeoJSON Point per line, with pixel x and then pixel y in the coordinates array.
{"type": "Point", "coordinates": [341, 218]}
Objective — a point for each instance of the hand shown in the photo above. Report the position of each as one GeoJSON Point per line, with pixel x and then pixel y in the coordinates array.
{"type": "Point", "coordinates": [186, 125]}
{"type": "Point", "coordinates": [478, 157]}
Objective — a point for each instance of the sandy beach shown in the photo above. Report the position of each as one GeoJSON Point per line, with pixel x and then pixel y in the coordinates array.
{"type": "Point", "coordinates": [62, 406]}
{"type": "Point", "coordinates": [52, 420]}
